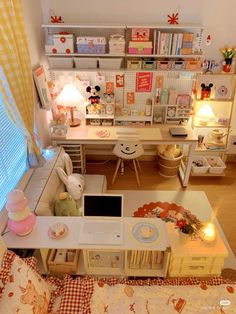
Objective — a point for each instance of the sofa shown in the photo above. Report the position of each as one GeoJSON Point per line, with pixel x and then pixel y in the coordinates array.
{"type": "Point", "coordinates": [45, 184]}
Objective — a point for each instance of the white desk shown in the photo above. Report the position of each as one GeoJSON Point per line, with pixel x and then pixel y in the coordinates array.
{"type": "Point", "coordinates": [39, 239]}
{"type": "Point", "coordinates": [148, 135]}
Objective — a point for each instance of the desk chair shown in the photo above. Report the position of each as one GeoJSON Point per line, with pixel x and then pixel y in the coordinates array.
{"type": "Point", "coordinates": [128, 149]}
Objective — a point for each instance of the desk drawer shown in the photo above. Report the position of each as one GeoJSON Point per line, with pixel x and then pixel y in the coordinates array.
{"type": "Point", "coordinates": [195, 270]}
{"type": "Point", "coordinates": [197, 260]}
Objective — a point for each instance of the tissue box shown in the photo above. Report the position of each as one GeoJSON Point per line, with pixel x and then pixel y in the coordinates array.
{"type": "Point", "coordinates": [89, 44]}
{"type": "Point", "coordinates": [140, 47]}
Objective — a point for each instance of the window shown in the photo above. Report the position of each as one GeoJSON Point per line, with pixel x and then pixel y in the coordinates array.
{"type": "Point", "coordinates": [13, 155]}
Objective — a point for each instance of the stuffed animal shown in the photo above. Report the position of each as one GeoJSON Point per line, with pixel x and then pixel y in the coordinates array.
{"type": "Point", "coordinates": [74, 182]}
{"type": "Point", "coordinates": [65, 205]}
{"type": "Point", "coordinates": [169, 151]}
{"type": "Point", "coordinates": [94, 98]}
{"type": "Point", "coordinates": [206, 90]}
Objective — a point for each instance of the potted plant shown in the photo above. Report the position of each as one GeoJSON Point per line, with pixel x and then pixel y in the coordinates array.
{"type": "Point", "coordinates": [228, 54]}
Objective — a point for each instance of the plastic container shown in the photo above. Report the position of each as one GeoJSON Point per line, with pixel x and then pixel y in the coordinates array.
{"type": "Point", "coordinates": [134, 64]}
{"type": "Point", "coordinates": [89, 44]}
{"type": "Point", "coordinates": [117, 44]}
{"type": "Point", "coordinates": [216, 164]}
{"type": "Point", "coordinates": [61, 62]}
{"type": "Point", "coordinates": [200, 165]}
{"type": "Point", "coordinates": [85, 63]}
{"type": "Point", "coordinates": [109, 63]}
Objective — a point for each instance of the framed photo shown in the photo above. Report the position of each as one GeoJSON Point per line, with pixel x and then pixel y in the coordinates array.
{"type": "Point", "coordinates": [42, 87]}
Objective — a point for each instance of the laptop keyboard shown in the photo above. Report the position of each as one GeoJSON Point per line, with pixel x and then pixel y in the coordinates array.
{"type": "Point", "coordinates": [101, 226]}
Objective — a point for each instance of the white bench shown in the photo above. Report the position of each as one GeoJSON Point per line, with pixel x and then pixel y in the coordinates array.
{"type": "Point", "coordinates": [45, 185]}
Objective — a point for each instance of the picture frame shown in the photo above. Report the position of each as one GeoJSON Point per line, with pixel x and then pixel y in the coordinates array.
{"type": "Point", "coordinates": [42, 87]}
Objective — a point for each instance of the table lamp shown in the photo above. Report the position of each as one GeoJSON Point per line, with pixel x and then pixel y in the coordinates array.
{"type": "Point", "coordinates": [70, 97]}
{"type": "Point", "coordinates": [205, 114]}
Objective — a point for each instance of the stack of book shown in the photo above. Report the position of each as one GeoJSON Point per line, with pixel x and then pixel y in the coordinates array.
{"type": "Point", "coordinates": [174, 43]}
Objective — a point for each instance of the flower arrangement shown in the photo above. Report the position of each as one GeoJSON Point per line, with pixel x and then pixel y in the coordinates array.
{"type": "Point", "coordinates": [188, 225]}
{"type": "Point", "coordinates": [228, 53]}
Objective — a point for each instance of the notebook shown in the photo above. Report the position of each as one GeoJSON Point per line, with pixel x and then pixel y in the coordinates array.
{"type": "Point", "coordinates": [180, 131]}
{"type": "Point", "coordinates": [102, 223]}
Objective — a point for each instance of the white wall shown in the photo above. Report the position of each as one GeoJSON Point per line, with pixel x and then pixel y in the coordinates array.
{"type": "Point", "coordinates": [33, 19]}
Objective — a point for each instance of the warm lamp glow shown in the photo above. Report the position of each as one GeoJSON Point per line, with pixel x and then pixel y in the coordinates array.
{"type": "Point", "coordinates": [70, 97]}
{"type": "Point", "coordinates": [209, 232]}
{"type": "Point", "coordinates": [205, 114]}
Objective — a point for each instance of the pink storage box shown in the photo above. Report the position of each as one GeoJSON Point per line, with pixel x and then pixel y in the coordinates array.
{"type": "Point", "coordinates": [140, 47]}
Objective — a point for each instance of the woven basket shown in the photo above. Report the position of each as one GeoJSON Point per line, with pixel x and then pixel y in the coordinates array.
{"type": "Point", "coordinates": [168, 167]}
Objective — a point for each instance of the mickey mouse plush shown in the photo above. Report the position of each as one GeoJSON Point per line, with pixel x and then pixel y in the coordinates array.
{"type": "Point", "coordinates": [94, 98]}
{"type": "Point", "coordinates": [206, 90]}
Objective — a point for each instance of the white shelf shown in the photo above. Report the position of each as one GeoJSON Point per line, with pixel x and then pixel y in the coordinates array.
{"type": "Point", "coordinates": [163, 56]}
{"type": "Point", "coordinates": [99, 116]}
{"type": "Point", "coordinates": [75, 25]}
{"type": "Point", "coordinates": [84, 55]}
{"type": "Point", "coordinates": [133, 118]}
{"type": "Point", "coordinates": [166, 26]}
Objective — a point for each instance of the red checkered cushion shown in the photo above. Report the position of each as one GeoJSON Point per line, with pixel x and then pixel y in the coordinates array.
{"type": "Point", "coordinates": [76, 296]}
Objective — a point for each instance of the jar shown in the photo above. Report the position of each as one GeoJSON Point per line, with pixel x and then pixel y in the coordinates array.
{"type": "Point", "coordinates": [164, 96]}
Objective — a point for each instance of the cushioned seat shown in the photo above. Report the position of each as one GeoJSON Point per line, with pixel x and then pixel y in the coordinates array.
{"type": "Point", "coordinates": [45, 185]}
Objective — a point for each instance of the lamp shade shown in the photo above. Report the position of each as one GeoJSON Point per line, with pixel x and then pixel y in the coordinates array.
{"type": "Point", "coordinates": [205, 114]}
{"type": "Point", "coordinates": [70, 97]}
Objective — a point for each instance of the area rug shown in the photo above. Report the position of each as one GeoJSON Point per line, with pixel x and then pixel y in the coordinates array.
{"type": "Point", "coordinates": [170, 206]}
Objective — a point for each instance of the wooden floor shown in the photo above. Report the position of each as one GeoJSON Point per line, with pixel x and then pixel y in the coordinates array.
{"type": "Point", "coordinates": [221, 191]}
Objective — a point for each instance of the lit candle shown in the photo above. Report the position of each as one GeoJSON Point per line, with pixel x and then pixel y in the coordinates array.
{"type": "Point", "coordinates": [209, 233]}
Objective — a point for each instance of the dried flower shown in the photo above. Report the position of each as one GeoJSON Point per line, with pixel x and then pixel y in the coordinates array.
{"type": "Point", "coordinates": [228, 52]}
{"type": "Point", "coordinates": [188, 225]}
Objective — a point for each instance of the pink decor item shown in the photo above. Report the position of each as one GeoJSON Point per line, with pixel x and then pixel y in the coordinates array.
{"type": "Point", "coordinates": [20, 220]}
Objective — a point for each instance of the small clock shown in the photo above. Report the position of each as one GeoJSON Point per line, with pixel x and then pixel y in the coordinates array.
{"type": "Point", "coordinates": [171, 112]}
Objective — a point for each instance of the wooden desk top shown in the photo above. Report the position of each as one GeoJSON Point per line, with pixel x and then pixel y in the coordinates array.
{"type": "Point", "coordinates": [85, 134]}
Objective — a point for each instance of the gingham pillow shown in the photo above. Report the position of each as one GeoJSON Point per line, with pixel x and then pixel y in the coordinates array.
{"type": "Point", "coordinates": [76, 296]}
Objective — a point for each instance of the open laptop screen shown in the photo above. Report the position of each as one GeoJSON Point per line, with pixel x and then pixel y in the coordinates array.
{"type": "Point", "coordinates": [103, 205]}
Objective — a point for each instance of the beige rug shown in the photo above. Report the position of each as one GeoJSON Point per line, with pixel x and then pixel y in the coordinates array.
{"type": "Point", "coordinates": [194, 201]}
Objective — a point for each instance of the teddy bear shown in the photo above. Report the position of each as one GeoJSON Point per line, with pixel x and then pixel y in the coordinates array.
{"type": "Point", "coordinates": [169, 151]}
{"type": "Point", "coordinates": [65, 205]}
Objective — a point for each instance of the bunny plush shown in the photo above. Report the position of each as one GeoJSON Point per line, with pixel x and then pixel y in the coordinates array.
{"type": "Point", "coordinates": [74, 182]}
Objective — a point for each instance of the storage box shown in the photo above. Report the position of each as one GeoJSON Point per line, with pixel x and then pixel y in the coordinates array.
{"type": "Point", "coordinates": [85, 63]}
{"type": "Point", "coordinates": [63, 43]}
{"type": "Point", "coordinates": [200, 165]}
{"type": "Point", "coordinates": [140, 47]}
{"type": "Point", "coordinates": [134, 64]}
{"type": "Point", "coordinates": [216, 164]}
{"type": "Point", "coordinates": [91, 44]}
{"type": "Point", "coordinates": [109, 63]}
{"type": "Point", "coordinates": [117, 44]}
{"type": "Point", "coordinates": [178, 65]}
{"type": "Point", "coordinates": [140, 34]}
{"type": "Point", "coordinates": [163, 65]}
{"type": "Point", "coordinates": [61, 62]}
{"type": "Point", "coordinates": [68, 266]}
{"type": "Point", "coordinates": [193, 65]}
{"type": "Point", "coordinates": [149, 63]}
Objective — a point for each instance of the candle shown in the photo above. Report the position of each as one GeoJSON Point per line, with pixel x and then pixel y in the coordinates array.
{"type": "Point", "coordinates": [209, 233]}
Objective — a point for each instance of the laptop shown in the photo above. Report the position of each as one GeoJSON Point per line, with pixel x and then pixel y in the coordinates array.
{"type": "Point", "coordinates": [180, 131]}
{"type": "Point", "coordinates": [103, 219]}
